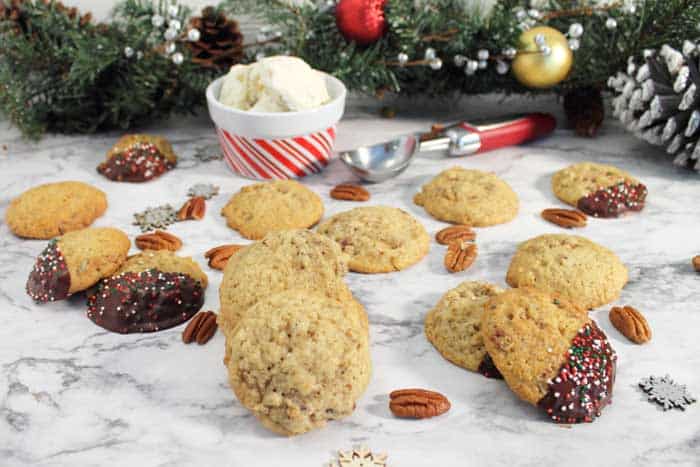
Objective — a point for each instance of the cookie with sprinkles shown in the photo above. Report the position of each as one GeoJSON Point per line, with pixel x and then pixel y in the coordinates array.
{"type": "Point", "coordinates": [599, 190]}
{"type": "Point", "coordinates": [152, 291]}
{"type": "Point", "coordinates": [138, 158]}
{"type": "Point", "coordinates": [75, 262]}
{"type": "Point", "coordinates": [550, 353]}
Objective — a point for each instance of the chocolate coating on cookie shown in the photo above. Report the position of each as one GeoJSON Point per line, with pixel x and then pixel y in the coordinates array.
{"type": "Point", "coordinates": [488, 368]}
{"type": "Point", "coordinates": [49, 280]}
{"type": "Point", "coordinates": [584, 383]}
{"type": "Point", "coordinates": [138, 163]}
{"type": "Point", "coordinates": [146, 301]}
{"type": "Point", "coordinates": [614, 200]}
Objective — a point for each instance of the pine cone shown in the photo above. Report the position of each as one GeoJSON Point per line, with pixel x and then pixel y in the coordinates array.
{"type": "Point", "coordinates": [585, 110]}
{"type": "Point", "coordinates": [220, 44]}
{"type": "Point", "coordinates": [659, 100]}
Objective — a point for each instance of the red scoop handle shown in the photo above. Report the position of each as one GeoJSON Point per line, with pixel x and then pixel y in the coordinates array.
{"type": "Point", "coordinates": [515, 131]}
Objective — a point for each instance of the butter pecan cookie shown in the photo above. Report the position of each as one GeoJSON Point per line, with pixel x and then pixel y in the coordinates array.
{"type": "Point", "coordinates": [298, 361]}
{"type": "Point", "coordinates": [138, 158]}
{"type": "Point", "coordinates": [50, 210]}
{"type": "Point", "coordinates": [152, 291]}
{"type": "Point", "coordinates": [378, 238]}
{"type": "Point", "coordinates": [454, 326]}
{"type": "Point", "coordinates": [599, 190]}
{"type": "Point", "coordinates": [76, 261]}
{"type": "Point", "coordinates": [550, 353]}
{"type": "Point", "coordinates": [572, 266]}
{"type": "Point", "coordinates": [261, 208]}
{"type": "Point", "coordinates": [470, 197]}
{"type": "Point", "coordinates": [286, 260]}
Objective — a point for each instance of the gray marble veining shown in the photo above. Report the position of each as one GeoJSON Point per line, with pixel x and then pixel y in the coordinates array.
{"type": "Point", "coordinates": [73, 394]}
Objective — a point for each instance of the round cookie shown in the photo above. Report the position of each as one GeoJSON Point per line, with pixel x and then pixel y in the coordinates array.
{"type": "Point", "coordinates": [152, 291]}
{"type": "Point", "coordinates": [468, 197]}
{"type": "Point", "coordinates": [76, 261]}
{"type": "Point", "coordinates": [50, 210]}
{"type": "Point", "coordinates": [599, 190]}
{"type": "Point", "coordinates": [572, 266]}
{"type": "Point", "coordinates": [297, 361]}
{"type": "Point", "coordinates": [259, 209]}
{"type": "Point", "coordinates": [454, 326]}
{"type": "Point", "coordinates": [550, 353]}
{"type": "Point", "coordinates": [378, 238]}
{"type": "Point", "coordinates": [286, 260]}
{"type": "Point", "coordinates": [138, 158]}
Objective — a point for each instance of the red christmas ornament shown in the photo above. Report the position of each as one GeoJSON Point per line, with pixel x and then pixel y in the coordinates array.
{"type": "Point", "coordinates": [361, 21]}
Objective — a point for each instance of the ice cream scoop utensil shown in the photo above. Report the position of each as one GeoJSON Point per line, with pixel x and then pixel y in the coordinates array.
{"type": "Point", "coordinates": [382, 161]}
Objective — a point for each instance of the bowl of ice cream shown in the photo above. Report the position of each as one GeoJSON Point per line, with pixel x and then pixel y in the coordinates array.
{"type": "Point", "coordinates": [276, 118]}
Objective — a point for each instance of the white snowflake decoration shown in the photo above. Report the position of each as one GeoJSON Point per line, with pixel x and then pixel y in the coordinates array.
{"type": "Point", "coordinates": [205, 190]}
{"type": "Point", "coordinates": [359, 457]}
{"type": "Point", "coordinates": [155, 218]}
{"type": "Point", "coordinates": [665, 392]}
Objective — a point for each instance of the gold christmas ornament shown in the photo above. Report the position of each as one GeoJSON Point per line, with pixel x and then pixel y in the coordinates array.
{"type": "Point", "coordinates": [544, 58]}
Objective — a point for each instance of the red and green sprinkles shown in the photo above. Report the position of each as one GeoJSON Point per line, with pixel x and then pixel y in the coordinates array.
{"type": "Point", "coordinates": [145, 301]}
{"type": "Point", "coordinates": [49, 280]}
{"type": "Point", "coordinates": [614, 200]}
{"type": "Point", "coordinates": [584, 383]}
{"type": "Point", "coordinates": [139, 163]}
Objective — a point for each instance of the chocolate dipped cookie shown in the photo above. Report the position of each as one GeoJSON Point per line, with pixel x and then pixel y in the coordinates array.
{"type": "Point", "coordinates": [550, 353]}
{"type": "Point", "coordinates": [75, 262]}
{"type": "Point", "coordinates": [152, 291]}
{"type": "Point", "coordinates": [138, 158]}
{"type": "Point", "coordinates": [599, 190]}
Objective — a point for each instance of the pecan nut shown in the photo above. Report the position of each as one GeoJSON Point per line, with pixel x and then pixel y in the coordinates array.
{"type": "Point", "coordinates": [454, 233]}
{"type": "Point", "coordinates": [347, 192]}
{"type": "Point", "coordinates": [631, 324]}
{"type": "Point", "coordinates": [460, 255]}
{"type": "Point", "coordinates": [201, 328]}
{"type": "Point", "coordinates": [193, 209]}
{"type": "Point", "coordinates": [696, 263]}
{"type": "Point", "coordinates": [158, 240]}
{"type": "Point", "coordinates": [417, 403]}
{"type": "Point", "coordinates": [218, 257]}
{"type": "Point", "coordinates": [567, 218]}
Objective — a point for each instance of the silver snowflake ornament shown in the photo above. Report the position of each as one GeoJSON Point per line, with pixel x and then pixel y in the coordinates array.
{"type": "Point", "coordinates": [359, 457]}
{"type": "Point", "coordinates": [210, 152]}
{"type": "Point", "coordinates": [155, 218]}
{"type": "Point", "coordinates": [205, 190]}
{"type": "Point", "coordinates": [665, 392]}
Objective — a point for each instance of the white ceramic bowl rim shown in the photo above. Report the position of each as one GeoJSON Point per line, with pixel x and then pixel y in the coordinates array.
{"type": "Point", "coordinates": [277, 124]}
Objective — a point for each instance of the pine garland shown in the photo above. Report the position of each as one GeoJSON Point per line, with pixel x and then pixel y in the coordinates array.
{"type": "Point", "coordinates": [61, 73]}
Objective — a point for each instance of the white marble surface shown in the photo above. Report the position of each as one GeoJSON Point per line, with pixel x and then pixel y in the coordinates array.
{"type": "Point", "coordinates": [73, 394]}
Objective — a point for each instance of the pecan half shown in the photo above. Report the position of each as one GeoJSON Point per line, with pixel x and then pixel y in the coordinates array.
{"type": "Point", "coordinates": [158, 240]}
{"type": "Point", "coordinates": [201, 328]}
{"type": "Point", "coordinates": [631, 323]}
{"type": "Point", "coordinates": [193, 209]}
{"type": "Point", "coordinates": [417, 403]}
{"type": "Point", "coordinates": [567, 218]}
{"type": "Point", "coordinates": [219, 256]}
{"type": "Point", "coordinates": [460, 255]}
{"type": "Point", "coordinates": [348, 192]}
{"type": "Point", "coordinates": [696, 263]}
{"type": "Point", "coordinates": [455, 232]}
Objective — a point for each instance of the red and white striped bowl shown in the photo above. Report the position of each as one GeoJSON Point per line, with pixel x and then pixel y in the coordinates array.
{"type": "Point", "coordinates": [266, 145]}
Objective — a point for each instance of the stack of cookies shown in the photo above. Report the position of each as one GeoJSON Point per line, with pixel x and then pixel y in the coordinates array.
{"type": "Point", "coordinates": [297, 342]}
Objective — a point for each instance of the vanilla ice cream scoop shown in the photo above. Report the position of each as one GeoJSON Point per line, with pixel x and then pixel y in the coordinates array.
{"type": "Point", "coordinates": [274, 84]}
